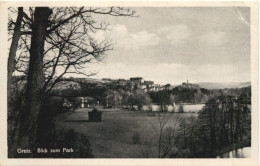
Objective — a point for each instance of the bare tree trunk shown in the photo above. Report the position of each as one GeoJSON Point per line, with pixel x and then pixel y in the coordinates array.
{"type": "Point", "coordinates": [28, 121]}
{"type": "Point", "coordinates": [212, 125]}
{"type": "Point", "coordinates": [159, 142]}
{"type": "Point", "coordinates": [13, 48]}
{"type": "Point", "coordinates": [12, 116]}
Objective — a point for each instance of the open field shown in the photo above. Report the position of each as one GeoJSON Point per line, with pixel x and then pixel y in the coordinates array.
{"type": "Point", "coordinates": [113, 137]}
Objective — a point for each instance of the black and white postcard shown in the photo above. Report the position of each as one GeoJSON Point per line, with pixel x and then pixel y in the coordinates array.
{"type": "Point", "coordinates": [140, 83]}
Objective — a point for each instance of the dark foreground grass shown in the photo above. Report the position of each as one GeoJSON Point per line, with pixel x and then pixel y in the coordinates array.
{"type": "Point", "coordinates": [113, 137]}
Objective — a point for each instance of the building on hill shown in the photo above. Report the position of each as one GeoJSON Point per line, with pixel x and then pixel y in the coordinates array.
{"type": "Point", "coordinates": [148, 84]}
{"type": "Point", "coordinates": [167, 87]}
{"type": "Point", "coordinates": [155, 88]}
{"type": "Point", "coordinates": [143, 87]}
{"type": "Point", "coordinates": [151, 89]}
{"type": "Point", "coordinates": [137, 80]}
{"type": "Point", "coordinates": [121, 82]}
{"type": "Point", "coordinates": [189, 85]}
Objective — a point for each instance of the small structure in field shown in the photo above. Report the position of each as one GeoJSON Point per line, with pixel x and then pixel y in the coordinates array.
{"type": "Point", "coordinates": [95, 116]}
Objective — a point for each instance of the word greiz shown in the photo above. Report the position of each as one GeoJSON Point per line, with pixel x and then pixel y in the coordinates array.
{"type": "Point", "coordinates": [45, 150]}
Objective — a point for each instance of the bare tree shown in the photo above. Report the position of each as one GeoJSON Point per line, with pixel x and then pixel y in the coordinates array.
{"type": "Point", "coordinates": [165, 135]}
{"type": "Point", "coordinates": [70, 42]}
{"type": "Point", "coordinates": [165, 141]}
{"type": "Point", "coordinates": [14, 45]}
{"type": "Point", "coordinates": [11, 61]}
{"type": "Point", "coordinates": [146, 148]}
{"type": "Point", "coordinates": [57, 38]}
{"type": "Point", "coordinates": [26, 129]}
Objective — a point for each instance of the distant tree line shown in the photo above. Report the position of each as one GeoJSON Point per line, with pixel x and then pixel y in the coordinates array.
{"type": "Point", "coordinates": [118, 97]}
{"type": "Point", "coordinates": [202, 95]}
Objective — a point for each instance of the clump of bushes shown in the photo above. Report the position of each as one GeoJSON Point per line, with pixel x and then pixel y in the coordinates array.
{"type": "Point", "coordinates": [75, 101]}
{"type": "Point", "coordinates": [136, 138]}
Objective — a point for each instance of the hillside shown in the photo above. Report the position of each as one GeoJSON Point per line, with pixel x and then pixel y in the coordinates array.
{"type": "Point", "coordinates": [223, 85]}
{"type": "Point", "coordinates": [206, 85]}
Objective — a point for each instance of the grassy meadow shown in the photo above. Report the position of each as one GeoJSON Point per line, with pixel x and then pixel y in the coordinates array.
{"type": "Point", "coordinates": [114, 136]}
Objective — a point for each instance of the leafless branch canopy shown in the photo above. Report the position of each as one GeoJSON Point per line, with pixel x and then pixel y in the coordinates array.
{"type": "Point", "coordinates": [70, 44]}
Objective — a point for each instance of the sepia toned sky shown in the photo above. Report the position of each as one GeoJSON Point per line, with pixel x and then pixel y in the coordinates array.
{"type": "Point", "coordinates": [171, 45]}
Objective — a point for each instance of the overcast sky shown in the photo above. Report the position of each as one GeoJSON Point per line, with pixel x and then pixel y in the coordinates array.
{"type": "Point", "coordinates": [171, 45]}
